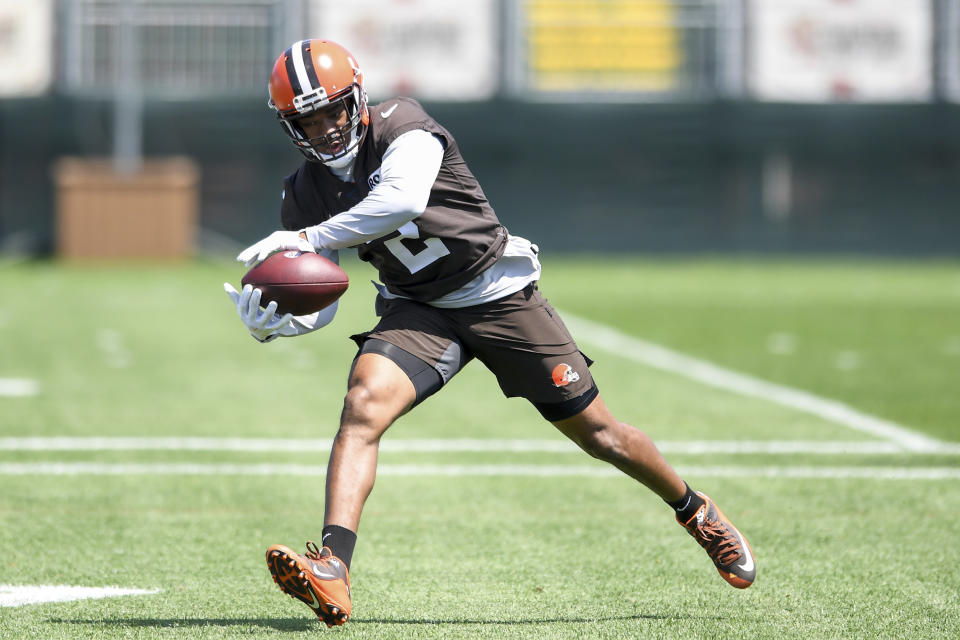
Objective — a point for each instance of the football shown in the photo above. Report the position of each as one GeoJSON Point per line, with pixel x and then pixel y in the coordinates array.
{"type": "Point", "coordinates": [300, 283]}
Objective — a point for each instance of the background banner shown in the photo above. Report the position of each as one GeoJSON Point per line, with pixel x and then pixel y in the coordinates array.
{"type": "Point", "coordinates": [25, 47]}
{"type": "Point", "coordinates": [840, 50]}
{"type": "Point", "coordinates": [429, 48]}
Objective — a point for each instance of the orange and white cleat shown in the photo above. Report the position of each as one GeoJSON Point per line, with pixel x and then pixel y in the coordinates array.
{"type": "Point", "coordinates": [726, 546]}
{"type": "Point", "coordinates": [319, 579]}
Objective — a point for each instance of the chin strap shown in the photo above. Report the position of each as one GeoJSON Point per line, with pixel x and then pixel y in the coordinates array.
{"type": "Point", "coordinates": [343, 167]}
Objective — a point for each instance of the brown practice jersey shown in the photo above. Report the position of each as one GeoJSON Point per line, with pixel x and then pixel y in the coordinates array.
{"type": "Point", "coordinates": [451, 242]}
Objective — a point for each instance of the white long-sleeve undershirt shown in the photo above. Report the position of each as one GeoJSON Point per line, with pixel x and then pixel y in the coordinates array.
{"type": "Point", "coordinates": [407, 173]}
{"type": "Point", "coordinates": [409, 168]}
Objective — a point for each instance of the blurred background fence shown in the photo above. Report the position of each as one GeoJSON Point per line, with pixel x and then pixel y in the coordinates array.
{"type": "Point", "coordinates": [813, 126]}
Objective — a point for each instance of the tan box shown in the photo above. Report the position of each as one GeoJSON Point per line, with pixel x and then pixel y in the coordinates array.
{"type": "Point", "coordinates": [152, 213]}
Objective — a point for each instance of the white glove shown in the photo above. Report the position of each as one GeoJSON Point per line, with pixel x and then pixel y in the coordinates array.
{"type": "Point", "coordinates": [273, 243]}
{"type": "Point", "coordinates": [263, 324]}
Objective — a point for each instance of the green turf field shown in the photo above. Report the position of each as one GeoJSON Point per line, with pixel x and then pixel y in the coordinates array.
{"type": "Point", "coordinates": [484, 523]}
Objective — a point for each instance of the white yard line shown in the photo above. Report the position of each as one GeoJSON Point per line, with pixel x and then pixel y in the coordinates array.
{"type": "Point", "coordinates": [423, 470]}
{"type": "Point", "coordinates": [113, 347]}
{"type": "Point", "coordinates": [458, 445]}
{"type": "Point", "coordinates": [18, 387]}
{"type": "Point", "coordinates": [791, 447]}
{"type": "Point", "coordinates": [609, 339]}
{"type": "Point", "coordinates": [16, 595]}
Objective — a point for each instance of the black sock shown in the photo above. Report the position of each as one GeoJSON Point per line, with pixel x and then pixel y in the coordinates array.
{"type": "Point", "coordinates": [340, 540]}
{"type": "Point", "coordinates": [686, 507]}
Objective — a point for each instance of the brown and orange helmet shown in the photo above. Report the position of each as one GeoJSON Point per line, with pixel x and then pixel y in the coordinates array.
{"type": "Point", "coordinates": [314, 74]}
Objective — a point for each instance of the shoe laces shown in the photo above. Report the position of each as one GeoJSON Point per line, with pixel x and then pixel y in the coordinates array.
{"type": "Point", "coordinates": [716, 538]}
{"type": "Point", "coordinates": [313, 552]}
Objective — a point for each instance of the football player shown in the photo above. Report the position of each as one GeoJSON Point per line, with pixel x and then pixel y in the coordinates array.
{"type": "Point", "coordinates": [390, 181]}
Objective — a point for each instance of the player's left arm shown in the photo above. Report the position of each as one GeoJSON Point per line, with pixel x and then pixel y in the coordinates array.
{"type": "Point", "coordinates": [407, 173]}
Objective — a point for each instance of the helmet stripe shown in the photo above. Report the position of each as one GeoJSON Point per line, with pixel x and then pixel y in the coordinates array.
{"type": "Point", "coordinates": [312, 78]}
{"type": "Point", "coordinates": [296, 54]}
{"type": "Point", "coordinates": [291, 72]}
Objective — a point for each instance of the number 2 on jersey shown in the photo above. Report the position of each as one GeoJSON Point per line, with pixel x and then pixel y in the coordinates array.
{"type": "Point", "coordinates": [435, 249]}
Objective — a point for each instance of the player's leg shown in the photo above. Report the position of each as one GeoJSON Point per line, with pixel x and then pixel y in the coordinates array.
{"type": "Point", "coordinates": [600, 434]}
{"type": "Point", "coordinates": [378, 392]}
{"type": "Point", "coordinates": [629, 449]}
{"type": "Point", "coordinates": [525, 343]}
{"type": "Point", "coordinates": [396, 368]}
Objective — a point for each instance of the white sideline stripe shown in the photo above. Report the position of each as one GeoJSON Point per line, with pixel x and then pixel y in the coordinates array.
{"type": "Point", "coordinates": [790, 447]}
{"type": "Point", "coordinates": [457, 445]}
{"type": "Point", "coordinates": [19, 387]}
{"type": "Point", "coordinates": [158, 469]}
{"type": "Point", "coordinates": [17, 595]}
{"type": "Point", "coordinates": [827, 473]}
{"type": "Point", "coordinates": [660, 357]}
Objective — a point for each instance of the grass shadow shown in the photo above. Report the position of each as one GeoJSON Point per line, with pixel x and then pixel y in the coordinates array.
{"type": "Point", "coordinates": [519, 621]}
{"type": "Point", "coordinates": [307, 624]}
{"type": "Point", "coordinates": [280, 624]}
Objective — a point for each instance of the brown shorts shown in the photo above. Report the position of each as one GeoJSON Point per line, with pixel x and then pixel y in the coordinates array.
{"type": "Point", "coordinates": [520, 338]}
